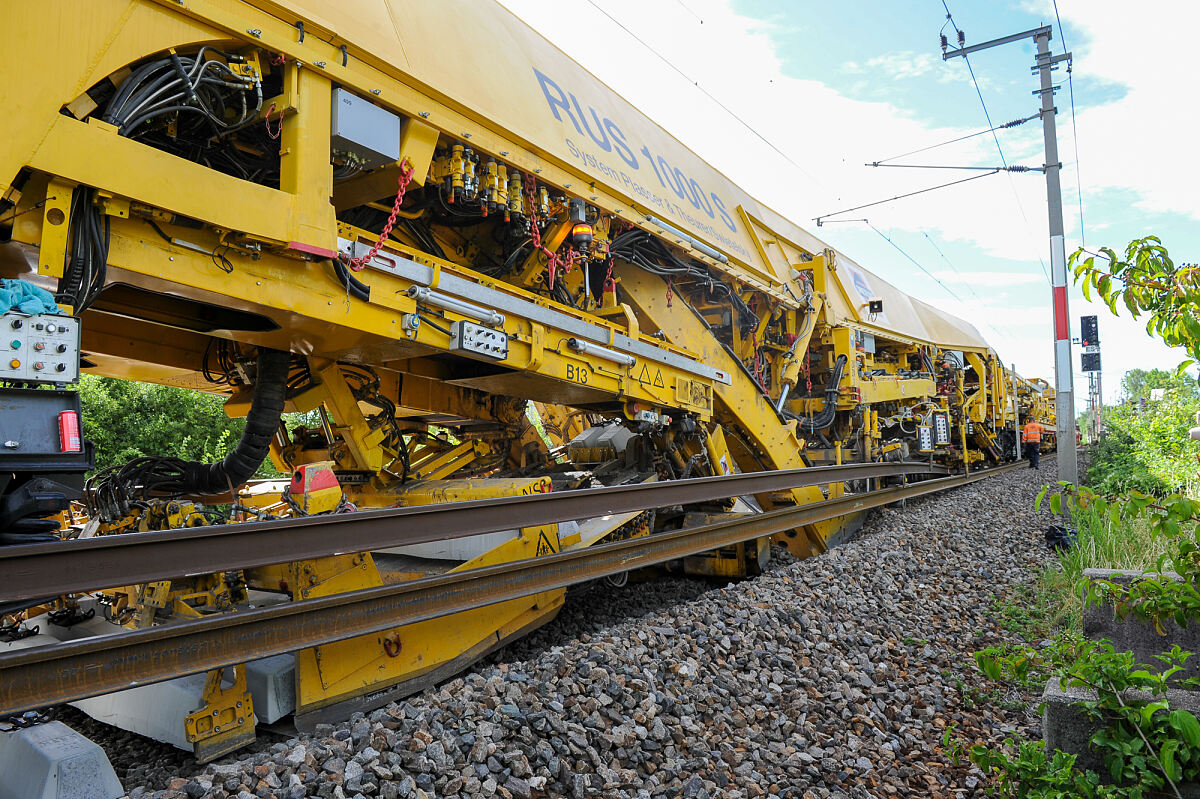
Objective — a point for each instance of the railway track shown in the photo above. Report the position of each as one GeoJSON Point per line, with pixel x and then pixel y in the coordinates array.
{"type": "Point", "coordinates": [61, 567]}
{"type": "Point", "coordinates": [41, 676]}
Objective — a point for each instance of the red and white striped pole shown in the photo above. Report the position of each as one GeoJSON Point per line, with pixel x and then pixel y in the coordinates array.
{"type": "Point", "coordinates": [1064, 387]}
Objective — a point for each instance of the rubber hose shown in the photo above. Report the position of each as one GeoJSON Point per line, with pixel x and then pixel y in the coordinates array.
{"type": "Point", "coordinates": [825, 417]}
{"type": "Point", "coordinates": [356, 287]}
{"type": "Point", "coordinates": [266, 408]}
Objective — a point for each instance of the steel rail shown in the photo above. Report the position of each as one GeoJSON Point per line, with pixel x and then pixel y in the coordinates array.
{"type": "Point", "coordinates": [41, 676]}
{"type": "Point", "coordinates": [33, 571]}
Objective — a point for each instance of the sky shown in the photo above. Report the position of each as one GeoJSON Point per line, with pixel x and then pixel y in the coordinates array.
{"type": "Point", "coordinates": [791, 98]}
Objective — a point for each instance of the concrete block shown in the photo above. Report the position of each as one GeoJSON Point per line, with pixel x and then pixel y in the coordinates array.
{"type": "Point", "coordinates": [272, 683]}
{"type": "Point", "coordinates": [156, 711]}
{"type": "Point", "coordinates": [1135, 635]}
{"type": "Point", "coordinates": [1065, 727]}
{"type": "Point", "coordinates": [52, 761]}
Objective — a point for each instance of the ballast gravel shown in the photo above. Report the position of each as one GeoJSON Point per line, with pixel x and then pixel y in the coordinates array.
{"type": "Point", "coordinates": [844, 675]}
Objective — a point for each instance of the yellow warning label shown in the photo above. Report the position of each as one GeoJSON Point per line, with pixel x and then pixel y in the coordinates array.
{"type": "Point", "coordinates": [544, 547]}
{"type": "Point", "coordinates": [658, 381]}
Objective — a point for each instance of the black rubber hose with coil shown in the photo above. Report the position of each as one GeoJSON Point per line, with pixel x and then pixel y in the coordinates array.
{"type": "Point", "coordinates": [825, 417]}
{"type": "Point", "coordinates": [266, 408]}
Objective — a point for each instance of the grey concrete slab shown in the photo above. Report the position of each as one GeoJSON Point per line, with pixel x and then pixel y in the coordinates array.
{"type": "Point", "coordinates": [1065, 727]}
{"type": "Point", "coordinates": [52, 761]}
{"type": "Point", "coordinates": [1135, 635]}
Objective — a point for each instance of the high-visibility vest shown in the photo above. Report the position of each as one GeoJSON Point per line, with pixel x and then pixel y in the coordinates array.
{"type": "Point", "coordinates": [1032, 434]}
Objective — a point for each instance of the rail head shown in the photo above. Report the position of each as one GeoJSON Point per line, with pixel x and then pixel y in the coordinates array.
{"type": "Point", "coordinates": [46, 675]}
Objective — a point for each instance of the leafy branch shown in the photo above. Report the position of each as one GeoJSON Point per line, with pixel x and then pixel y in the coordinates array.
{"type": "Point", "coordinates": [1147, 745]}
{"type": "Point", "coordinates": [1146, 281]}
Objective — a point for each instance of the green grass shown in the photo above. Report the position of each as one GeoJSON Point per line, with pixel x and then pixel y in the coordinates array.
{"type": "Point", "coordinates": [1101, 545]}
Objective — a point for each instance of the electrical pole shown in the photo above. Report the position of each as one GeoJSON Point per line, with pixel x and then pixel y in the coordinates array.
{"type": "Point", "coordinates": [1068, 468]}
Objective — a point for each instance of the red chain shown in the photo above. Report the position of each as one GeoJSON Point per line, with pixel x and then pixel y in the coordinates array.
{"type": "Point", "coordinates": [807, 372]}
{"type": "Point", "coordinates": [670, 291]}
{"type": "Point", "coordinates": [552, 259]}
{"type": "Point", "coordinates": [406, 173]}
{"type": "Point", "coordinates": [267, 122]}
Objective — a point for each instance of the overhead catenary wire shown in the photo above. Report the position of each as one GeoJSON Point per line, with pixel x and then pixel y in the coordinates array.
{"type": "Point", "coordinates": [915, 262]}
{"type": "Point", "coordinates": [1010, 168]}
{"type": "Point", "coordinates": [1004, 126]}
{"type": "Point", "coordinates": [987, 115]}
{"type": "Point", "coordinates": [1074, 131]}
{"type": "Point", "coordinates": [820, 219]}
{"type": "Point", "coordinates": [708, 94]}
{"type": "Point", "coordinates": [966, 281]}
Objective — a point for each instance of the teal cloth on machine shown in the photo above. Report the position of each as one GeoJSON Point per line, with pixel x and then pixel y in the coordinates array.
{"type": "Point", "coordinates": [23, 296]}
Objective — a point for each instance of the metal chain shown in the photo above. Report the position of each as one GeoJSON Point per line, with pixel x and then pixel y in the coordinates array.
{"type": "Point", "coordinates": [406, 173]}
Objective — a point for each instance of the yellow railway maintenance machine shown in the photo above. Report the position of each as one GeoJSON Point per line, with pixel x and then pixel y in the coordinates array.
{"type": "Point", "coordinates": [480, 273]}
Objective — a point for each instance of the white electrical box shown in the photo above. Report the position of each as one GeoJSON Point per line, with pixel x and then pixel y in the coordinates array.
{"type": "Point", "coordinates": [364, 129]}
{"type": "Point", "coordinates": [39, 348]}
{"type": "Point", "coordinates": [469, 338]}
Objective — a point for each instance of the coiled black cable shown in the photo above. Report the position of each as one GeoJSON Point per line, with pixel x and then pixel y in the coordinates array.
{"type": "Point", "coordinates": [112, 492]}
{"type": "Point", "coordinates": [826, 416]}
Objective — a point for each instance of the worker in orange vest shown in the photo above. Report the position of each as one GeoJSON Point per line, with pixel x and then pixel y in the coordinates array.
{"type": "Point", "coordinates": [1032, 436]}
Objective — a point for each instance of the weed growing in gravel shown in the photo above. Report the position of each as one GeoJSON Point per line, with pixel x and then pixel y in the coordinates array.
{"type": "Point", "coordinates": [1174, 536]}
{"type": "Point", "coordinates": [1027, 613]}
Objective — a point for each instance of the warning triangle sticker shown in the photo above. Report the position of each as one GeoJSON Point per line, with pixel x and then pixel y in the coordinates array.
{"type": "Point", "coordinates": [658, 381]}
{"type": "Point", "coordinates": [644, 375]}
{"type": "Point", "coordinates": [544, 547]}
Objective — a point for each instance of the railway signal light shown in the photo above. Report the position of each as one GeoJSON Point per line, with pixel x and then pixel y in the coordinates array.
{"type": "Point", "coordinates": [1089, 331]}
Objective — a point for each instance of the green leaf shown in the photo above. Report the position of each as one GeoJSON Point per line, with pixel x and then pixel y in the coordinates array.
{"type": "Point", "coordinates": [1056, 504]}
{"type": "Point", "coordinates": [988, 665]}
{"type": "Point", "coordinates": [1187, 725]}
{"type": "Point", "coordinates": [1166, 756]}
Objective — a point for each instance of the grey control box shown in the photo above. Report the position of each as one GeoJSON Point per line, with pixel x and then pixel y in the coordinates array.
{"type": "Point", "coordinates": [364, 129]}
{"type": "Point", "coordinates": [39, 348]}
{"type": "Point", "coordinates": [469, 338]}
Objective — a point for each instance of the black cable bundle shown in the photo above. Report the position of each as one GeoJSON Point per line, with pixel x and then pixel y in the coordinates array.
{"type": "Point", "coordinates": [823, 419]}
{"type": "Point", "coordinates": [185, 84]}
{"type": "Point", "coordinates": [646, 251]}
{"type": "Point", "coordinates": [364, 386]}
{"type": "Point", "coordinates": [111, 493]}
{"type": "Point", "coordinates": [87, 254]}
{"type": "Point", "coordinates": [353, 285]}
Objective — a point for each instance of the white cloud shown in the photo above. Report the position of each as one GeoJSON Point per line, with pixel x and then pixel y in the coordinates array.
{"type": "Point", "coordinates": [905, 64]}
{"type": "Point", "coordinates": [989, 279]}
{"type": "Point", "coordinates": [1139, 143]}
{"type": "Point", "coordinates": [1144, 141]}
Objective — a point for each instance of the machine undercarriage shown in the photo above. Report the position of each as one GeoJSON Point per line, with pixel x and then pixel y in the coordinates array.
{"type": "Point", "coordinates": [458, 304]}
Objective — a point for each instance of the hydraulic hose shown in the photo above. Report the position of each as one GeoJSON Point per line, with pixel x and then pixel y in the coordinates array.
{"type": "Point", "coordinates": [825, 417]}
{"type": "Point", "coordinates": [266, 408]}
{"type": "Point", "coordinates": [352, 284]}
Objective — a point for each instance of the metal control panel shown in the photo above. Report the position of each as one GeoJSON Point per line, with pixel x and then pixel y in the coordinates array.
{"type": "Point", "coordinates": [469, 338]}
{"type": "Point", "coordinates": [941, 429]}
{"type": "Point", "coordinates": [39, 348]}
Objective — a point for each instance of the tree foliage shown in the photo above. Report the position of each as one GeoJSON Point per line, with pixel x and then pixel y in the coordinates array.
{"type": "Point", "coordinates": [1148, 282]}
{"type": "Point", "coordinates": [1147, 447]}
{"type": "Point", "coordinates": [126, 420]}
{"type": "Point", "coordinates": [1138, 383]}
